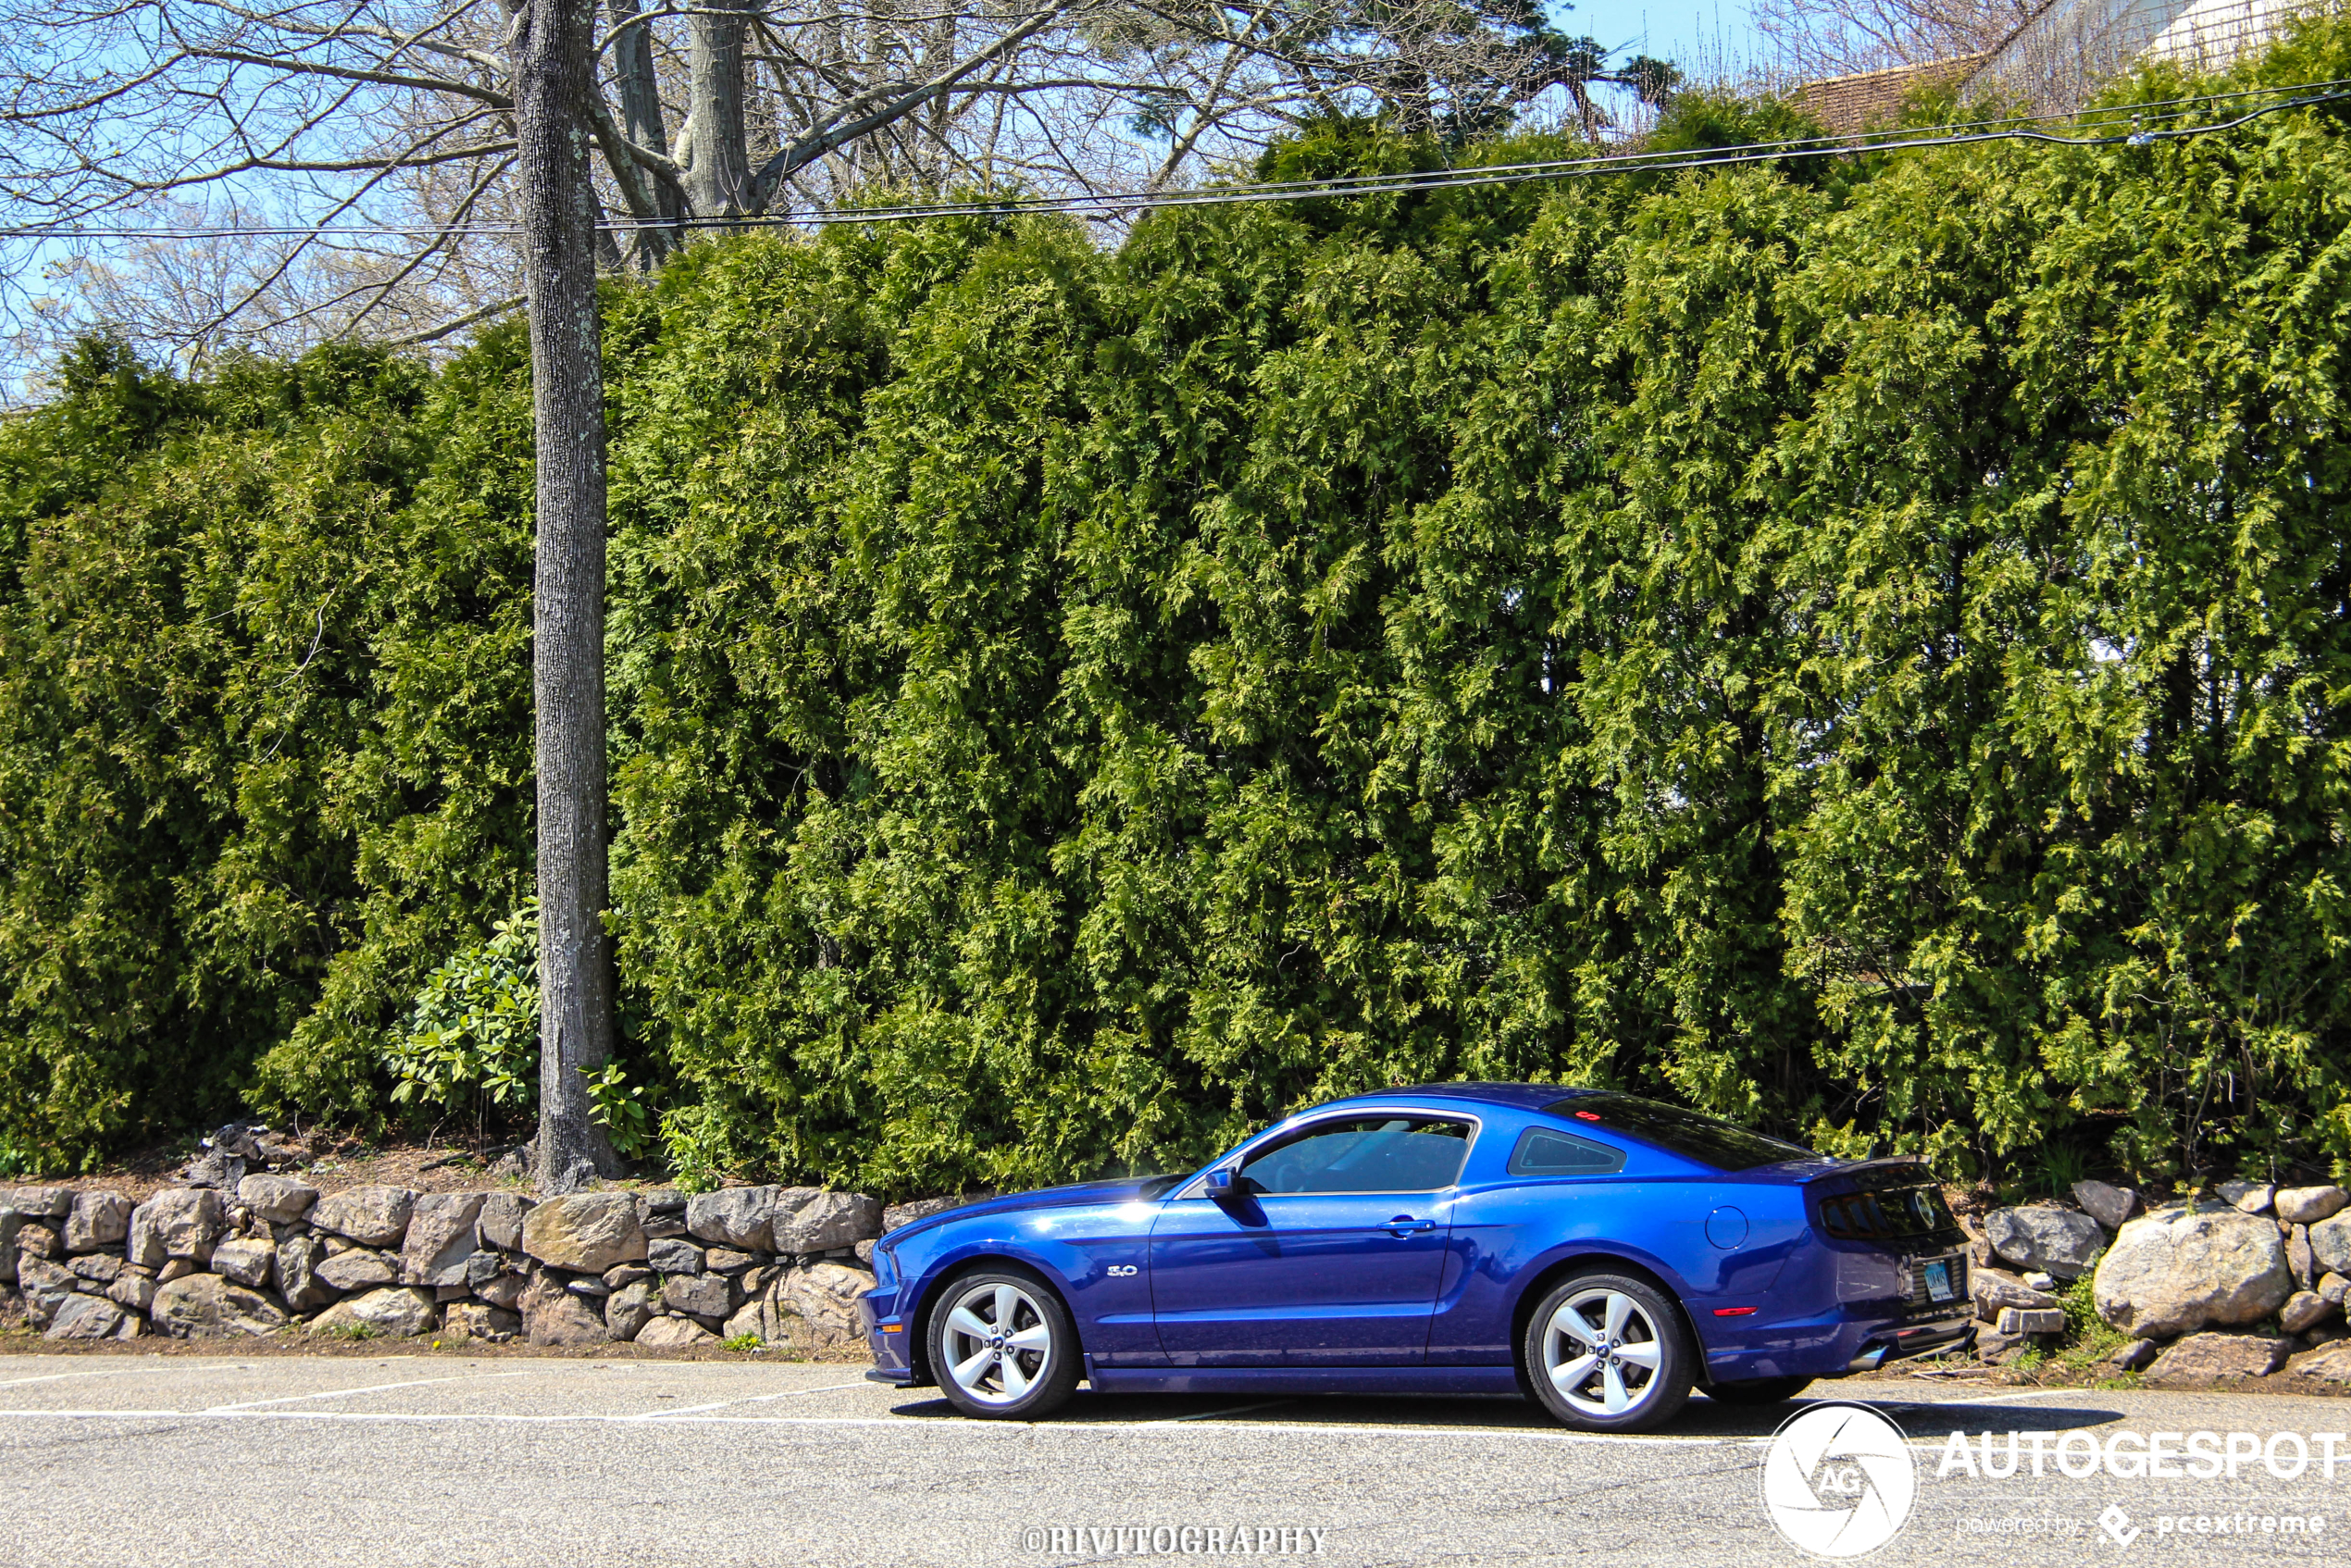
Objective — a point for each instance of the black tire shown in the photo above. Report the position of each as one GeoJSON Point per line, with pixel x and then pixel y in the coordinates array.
{"type": "Point", "coordinates": [1645, 1365]}
{"type": "Point", "coordinates": [1756, 1392]}
{"type": "Point", "coordinates": [1027, 1384]}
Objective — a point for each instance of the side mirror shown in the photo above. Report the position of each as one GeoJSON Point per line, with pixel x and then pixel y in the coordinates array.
{"type": "Point", "coordinates": [1218, 1185]}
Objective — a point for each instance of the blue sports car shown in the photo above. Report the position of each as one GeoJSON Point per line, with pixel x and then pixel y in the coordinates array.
{"type": "Point", "coordinates": [1600, 1252]}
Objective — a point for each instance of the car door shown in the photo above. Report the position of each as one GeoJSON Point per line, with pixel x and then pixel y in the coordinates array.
{"type": "Point", "coordinates": [1328, 1254]}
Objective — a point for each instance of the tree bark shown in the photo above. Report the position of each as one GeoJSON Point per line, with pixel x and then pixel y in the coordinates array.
{"type": "Point", "coordinates": [718, 179]}
{"type": "Point", "coordinates": [553, 80]}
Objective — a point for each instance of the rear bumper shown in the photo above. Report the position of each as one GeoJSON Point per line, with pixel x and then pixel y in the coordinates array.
{"type": "Point", "coordinates": [1913, 1339]}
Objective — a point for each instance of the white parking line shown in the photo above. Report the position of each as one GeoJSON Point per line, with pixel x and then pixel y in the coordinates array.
{"type": "Point", "coordinates": [1215, 1415]}
{"type": "Point", "coordinates": [367, 1388]}
{"type": "Point", "coordinates": [752, 1400]}
{"type": "Point", "coordinates": [118, 1372]}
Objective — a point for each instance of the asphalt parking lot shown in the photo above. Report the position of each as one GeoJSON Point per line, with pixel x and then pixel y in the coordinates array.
{"type": "Point", "coordinates": [165, 1460]}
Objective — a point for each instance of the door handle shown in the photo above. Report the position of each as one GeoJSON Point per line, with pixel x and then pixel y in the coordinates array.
{"type": "Point", "coordinates": [1405, 1224]}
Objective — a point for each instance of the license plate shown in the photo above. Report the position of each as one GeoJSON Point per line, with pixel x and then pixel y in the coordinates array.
{"type": "Point", "coordinates": [1938, 1280]}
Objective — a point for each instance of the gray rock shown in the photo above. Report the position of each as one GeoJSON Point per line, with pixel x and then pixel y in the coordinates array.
{"type": "Point", "coordinates": [2333, 1287]}
{"type": "Point", "coordinates": [135, 1291]}
{"type": "Point", "coordinates": [478, 1320]}
{"type": "Point", "coordinates": [245, 1262]}
{"type": "Point", "coordinates": [674, 1334]}
{"type": "Point", "coordinates": [900, 1215]}
{"type": "Point", "coordinates": [299, 1258]}
{"type": "Point", "coordinates": [2329, 1364]}
{"type": "Point", "coordinates": [86, 1317]}
{"type": "Point", "coordinates": [279, 1200]}
{"type": "Point", "coordinates": [588, 1285]}
{"type": "Point", "coordinates": [11, 1223]}
{"type": "Point", "coordinates": [42, 1202]}
{"type": "Point", "coordinates": [552, 1316]}
{"type": "Point", "coordinates": [1995, 1290]}
{"type": "Point", "coordinates": [2136, 1356]}
{"type": "Point", "coordinates": [396, 1312]}
{"type": "Point", "coordinates": [621, 1275]}
{"type": "Point", "coordinates": [204, 1306]}
{"type": "Point", "coordinates": [817, 1307]}
{"type": "Point", "coordinates": [441, 1238]}
{"type": "Point", "coordinates": [735, 1217]}
{"type": "Point", "coordinates": [358, 1269]}
{"type": "Point", "coordinates": [2252, 1197]}
{"type": "Point", "coordinates": [373, 1216]}
{"type": "Point", "coordinates": [1992, 1347]}
{"type": "Point", "coordinates": [2210, 1356]}
{"type": "Point", "coordinates": [502, 1291]}
{"type": "Point", "coordinates": [2058, 1242]}
{"type": "Point", "coordinates": [97, 1220]}
{"type": "Point", "coordinates": [2036, 1280]}
{"type": "Point", "coordinates": [865, 1251]}
{"type": "Point", "coordinates": [176, 1268]}
{"type": "Point", "coordinates": [2031, 1320]}
{"type": "Point", "coordinates": [180, 1223]}
{"type": "Point", "coordinates": [586, 1232]}
{"type": "Point", "coordinates": [214, 1167]}
{"type": "Point", "coordinates": [2178, 1270]}
{"type": "Point", "coordinates": [657, 1200]}
{"type": "Point", "coordinates": [808, 1219]}
{"type": "Point", "coordinates": [629, 1308]}
{"type": "Point", "coordinates": [500, 1222]}
{"type": "Point", "coordinates": [2308, 1205]}
{"type": "Point", "coordinates": [2331, 1240]}
{"type": "Point", "coordinates": [2304, 1309]}
{"type": "Point", "coordinates": [2299, 1259]}
{"type": "Point", "coordinates": [726, 1260]}
{"type": "Point", "coordinates": [44, 1285]}
{"type": "Point", "coordinates": [659, 1225]}
{"type": "Point", "coordinates": [2108, 1206]}
{"type": "Point", "coordinates": [703, 1295]}
{"type": "Point", "coordinates": [34, 1240]}
{"type": "Point", "coordinates": [100, 1267]}
{"type": "Point", "coordinates": [672, 1256]}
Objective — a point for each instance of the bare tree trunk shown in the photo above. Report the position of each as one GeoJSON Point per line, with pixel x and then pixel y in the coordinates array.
{"type": "Point", "coordinates": [641, 115]}
{"type": "Point", "coordinates": [553, 140]}
{"type": "Point", "coordinates": [718, 182]}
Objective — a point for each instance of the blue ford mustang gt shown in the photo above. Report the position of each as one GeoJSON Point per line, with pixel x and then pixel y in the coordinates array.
{"type": "Point", "coordinates": [1602, 1252]}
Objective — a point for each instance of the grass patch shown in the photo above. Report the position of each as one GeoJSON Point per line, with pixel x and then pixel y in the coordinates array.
{"type": "Point", "coordinates": [743, 1342]}
{"type": "Point", "coordinates": [351, 1332]}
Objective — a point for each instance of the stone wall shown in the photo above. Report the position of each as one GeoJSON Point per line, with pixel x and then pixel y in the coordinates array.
{"type": "Point", "coordinates": [2248, 1285]}
{"type": "Point", "coordinates": [272, 1255]}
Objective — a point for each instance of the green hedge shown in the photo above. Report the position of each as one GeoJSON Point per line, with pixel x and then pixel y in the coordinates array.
{"type": "Point", "coordinates": [1861, 650]}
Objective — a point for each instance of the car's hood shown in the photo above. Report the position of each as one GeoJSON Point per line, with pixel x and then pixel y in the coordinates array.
{"type": "Point", "coordinates": [1120, 1190]}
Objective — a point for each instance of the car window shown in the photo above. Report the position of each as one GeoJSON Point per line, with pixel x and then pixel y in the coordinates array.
{"type": "Point", "coordinates": [1365, 1154]}
{"type": "Point", "coordinates": [1542, 1153]}
{"type": "Point", "coordinates": [1707, 1139]}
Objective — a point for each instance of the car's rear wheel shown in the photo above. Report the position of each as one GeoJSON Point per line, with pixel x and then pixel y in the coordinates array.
{"type": "Point", "coordinates": [1002, 1347]}
{"type": "Point", "coordinates": [1757, 1390]}
{"type": "Point", "coordinates": [1606, 1352]}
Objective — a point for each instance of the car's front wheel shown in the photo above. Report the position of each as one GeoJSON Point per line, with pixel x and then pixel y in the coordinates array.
{"type": "Point", "coordinates": [1606, 1352]}
{"type": "Point", "coordinates": [1002, 1347]}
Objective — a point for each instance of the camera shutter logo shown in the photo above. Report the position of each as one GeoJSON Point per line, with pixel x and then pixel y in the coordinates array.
{"type": "Point", "coordinates": [1838, 1480]}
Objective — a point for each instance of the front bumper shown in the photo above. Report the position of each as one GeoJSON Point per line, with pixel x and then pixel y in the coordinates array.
{"type": "Point", "coordinates": [886, 1336]}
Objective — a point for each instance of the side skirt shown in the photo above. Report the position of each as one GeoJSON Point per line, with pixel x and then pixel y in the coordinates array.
{"type": "Point", "coordinates": [1306, 1380]}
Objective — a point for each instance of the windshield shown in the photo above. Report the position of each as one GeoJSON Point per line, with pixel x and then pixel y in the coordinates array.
{"type": "Point", "coordinates": [1707, 1139]}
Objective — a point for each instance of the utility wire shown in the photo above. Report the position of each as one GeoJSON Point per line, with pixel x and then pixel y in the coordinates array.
{"type": "Point", "coordinates": [2148, 123]}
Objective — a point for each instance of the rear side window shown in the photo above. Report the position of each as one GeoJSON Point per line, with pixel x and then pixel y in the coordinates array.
{"type": "Point", "coordinates": [1542, 1153]}
{"type": "Point", "coordinates": [1708, 1141]}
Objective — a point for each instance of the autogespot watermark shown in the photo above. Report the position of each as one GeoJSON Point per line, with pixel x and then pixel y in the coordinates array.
{"type": "Point", "coordinates": [1178, 1540]}
{"type": "Point", "coordinates": [1841, 1481]}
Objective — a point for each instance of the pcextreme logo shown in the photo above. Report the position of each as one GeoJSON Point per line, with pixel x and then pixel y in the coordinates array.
{"type": "Point", "coordinates": [1838, 1480]}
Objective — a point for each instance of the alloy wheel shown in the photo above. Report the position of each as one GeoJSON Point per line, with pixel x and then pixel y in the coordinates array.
{"type": "Point", "coordinates": [998, 1341]}
{"type": "Point", "coordinates": [1602, 1352]}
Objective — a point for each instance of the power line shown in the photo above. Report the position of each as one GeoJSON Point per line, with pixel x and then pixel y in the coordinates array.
{"type": "Point", "coordinates": [2148, 123]}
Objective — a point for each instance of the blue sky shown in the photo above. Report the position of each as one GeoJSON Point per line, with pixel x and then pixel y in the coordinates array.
{"type": "Point", "coordinates": [1701, 36]}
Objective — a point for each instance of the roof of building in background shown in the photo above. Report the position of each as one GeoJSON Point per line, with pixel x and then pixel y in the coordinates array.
{"type": "Point", "coordinates": [1846, 105]}
{"type": "Point", "coordinates": [2060, 55]}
